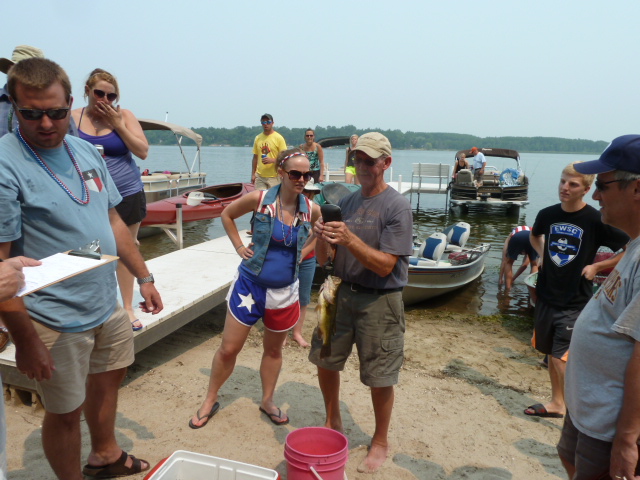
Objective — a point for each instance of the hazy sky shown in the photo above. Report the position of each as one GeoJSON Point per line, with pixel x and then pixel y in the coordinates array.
{"type": "Point", "coordinates": [487, 68]}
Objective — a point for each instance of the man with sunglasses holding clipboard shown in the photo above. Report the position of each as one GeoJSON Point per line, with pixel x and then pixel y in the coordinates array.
{"type": "Point", "coordinates": [9, 122]}
{"type": "Point", "coordinates": [71, 337]}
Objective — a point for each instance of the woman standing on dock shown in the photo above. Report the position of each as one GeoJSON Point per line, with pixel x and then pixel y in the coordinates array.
{"type": "Point", "coordinates": [315, 154]}
{"type": "Point", "coordinates": [119, 133]}
{"type": "Point", "coordinates": [266, 284]}
{"type": "Point", "coordinates": [349, 164]}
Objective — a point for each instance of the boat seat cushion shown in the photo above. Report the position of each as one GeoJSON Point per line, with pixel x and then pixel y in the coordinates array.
{"type": "Point", "coordinates": [433, 247]}
{"type": "Point", "coordinates": [458, 234]}
{"type": "Point", "coordinates": [465, 177]}
{"type": "Point", "coordinates": [422, 262]}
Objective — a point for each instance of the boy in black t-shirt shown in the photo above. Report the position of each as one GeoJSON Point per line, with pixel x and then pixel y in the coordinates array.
{"type": "Point", "coordinates": [567, 237]}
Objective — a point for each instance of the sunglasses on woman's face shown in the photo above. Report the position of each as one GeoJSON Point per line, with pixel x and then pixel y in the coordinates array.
{"type": "Point", "coordinates": [101, 94]}
{"type": "Point", "coordinates": [295, 175]}
{"type": "Point", "coordinates": [34, 114]}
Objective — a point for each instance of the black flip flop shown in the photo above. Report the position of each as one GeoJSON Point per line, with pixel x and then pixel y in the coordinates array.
{"type": "Point", "coordinates": [214, 410]}
{"type": "Point", "coordinates": [275, 419]}
{"type": "Point", "coordinates": [540, 411]}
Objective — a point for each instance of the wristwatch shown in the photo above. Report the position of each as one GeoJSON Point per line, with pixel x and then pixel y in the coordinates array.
{"type": "Point", "coordinates": [148, 279]}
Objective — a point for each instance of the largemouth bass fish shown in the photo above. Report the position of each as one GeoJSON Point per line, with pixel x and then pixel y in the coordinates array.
{"type": "Point", "coordinates": [326, 311]}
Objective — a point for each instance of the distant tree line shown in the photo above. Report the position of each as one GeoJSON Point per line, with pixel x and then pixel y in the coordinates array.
{"type": "Point", "coordinates": [243, 136]}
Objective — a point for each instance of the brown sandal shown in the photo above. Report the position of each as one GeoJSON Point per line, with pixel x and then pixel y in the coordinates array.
{"type": "Point", "coordinates": [117, 468]}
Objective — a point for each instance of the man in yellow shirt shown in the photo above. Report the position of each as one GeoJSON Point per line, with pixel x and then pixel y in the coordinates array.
{"type": "Point", "coordinates": [266, 148]}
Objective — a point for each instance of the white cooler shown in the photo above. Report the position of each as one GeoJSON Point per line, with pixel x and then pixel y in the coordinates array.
{"type": "Point", "coordinates": [183, 465]}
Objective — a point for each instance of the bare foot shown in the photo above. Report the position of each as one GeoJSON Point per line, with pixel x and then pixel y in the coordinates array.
{"type": "Point", "coordinates": [301, 341]}
{"type": "Point", "coordinates": [337, 426]}
{"type": "Point", "coordinates": [375, 458]}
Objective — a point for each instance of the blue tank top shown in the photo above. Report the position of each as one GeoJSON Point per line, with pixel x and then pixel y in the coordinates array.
{"type": "Point", "coordinates": [120, 163]}
{"type": "Point", "coordinates": [279, 267]}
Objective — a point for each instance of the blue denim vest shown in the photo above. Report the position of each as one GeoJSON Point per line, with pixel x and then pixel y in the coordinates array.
{"type": "Point", "coordinates": [263, 228]}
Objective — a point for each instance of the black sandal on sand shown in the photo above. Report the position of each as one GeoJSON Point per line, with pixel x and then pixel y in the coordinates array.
{"type": "Point", "coordinates": [117, 468]}
{"type": "Point", "coordinates": [540, 411]}
{"type": "Point", "coordinates": [275, 419]}
{"type": "Point", "coordinates": [214, 410]}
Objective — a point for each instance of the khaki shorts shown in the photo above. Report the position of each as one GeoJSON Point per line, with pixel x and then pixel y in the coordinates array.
{"type": "Point", "coordinates": [376, 324]}
{"type": "Point", "coordinates": [265, 183]}
{"type": "Point", "coordinates": [76, 355]}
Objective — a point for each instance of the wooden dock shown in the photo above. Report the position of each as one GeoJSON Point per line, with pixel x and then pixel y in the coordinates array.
{"type": "Point", "coordinates": [191, 282]}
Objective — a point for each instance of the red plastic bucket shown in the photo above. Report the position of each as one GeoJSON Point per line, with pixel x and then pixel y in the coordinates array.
{"type": "Point", "coordinates": [314, 453]}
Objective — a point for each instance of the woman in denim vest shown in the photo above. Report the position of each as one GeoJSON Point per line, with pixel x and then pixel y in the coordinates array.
{"type": "Point", "coordinates": [266, 285]}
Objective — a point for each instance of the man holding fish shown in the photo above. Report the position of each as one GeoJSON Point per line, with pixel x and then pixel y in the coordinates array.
{"type": "Point", "coordinates": [362, 303]}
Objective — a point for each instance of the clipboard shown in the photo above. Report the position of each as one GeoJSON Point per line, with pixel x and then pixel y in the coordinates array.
{"type": "Point", "coordinates": [58, 267]}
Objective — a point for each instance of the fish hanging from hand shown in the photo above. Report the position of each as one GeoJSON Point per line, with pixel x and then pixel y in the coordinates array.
{"type": "Point", "coordinates": [326, 311]}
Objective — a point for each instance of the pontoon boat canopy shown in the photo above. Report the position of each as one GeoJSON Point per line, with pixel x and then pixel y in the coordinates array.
{"type": "Point", "coordinates": [333, 141]}
{"type": "Point", "coordinates": [179, 132]}
{"type": "Point", "coordinates": [493, 152]}
{"type": "Point", "coordinates": [176, 129]}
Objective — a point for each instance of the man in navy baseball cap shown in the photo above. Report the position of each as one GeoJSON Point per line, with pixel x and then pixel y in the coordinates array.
{"type": "Point", "coordinates": [621, 154]}
{"type": "Point", "coordinates": [602, 425]}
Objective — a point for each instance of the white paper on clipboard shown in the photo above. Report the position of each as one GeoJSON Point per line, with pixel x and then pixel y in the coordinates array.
{"type": "Point", "coordinates": [56, 268]}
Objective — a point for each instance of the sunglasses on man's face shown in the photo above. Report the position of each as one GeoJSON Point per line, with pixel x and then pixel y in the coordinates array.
{"type": "Point", "coordinates": [266, 122]}
{"type": "Point", "coordinates": [309, 135]}
{"type": "Point", "coordinates": [295, 175]}
{"type": "Point", "coordinates": [602, 186]}
{"type": "Point", "coordinates": [34, 114]}
{"type": "Point", "coordinates": [367, 161]}
{"type": "Point", "coordinates": [101, 94]}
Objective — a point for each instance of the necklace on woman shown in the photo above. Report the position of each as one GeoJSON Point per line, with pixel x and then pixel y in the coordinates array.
{"type": "Point", "coordinates": [95, 121]}
{"type": "Point", "coordinates": [85, 191]}
{"type": "Point", "coordinates": [282, 224]}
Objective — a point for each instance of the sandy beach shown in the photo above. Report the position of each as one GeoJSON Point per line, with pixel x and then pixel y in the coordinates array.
{"type": "Point", "coordinates": [458, 411]}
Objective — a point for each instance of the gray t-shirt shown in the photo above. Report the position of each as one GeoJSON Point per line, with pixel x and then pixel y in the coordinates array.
{"type": "Point", "coordinates": [41, 219]}
{"type": "Point", "coordinates": [603, 340]}
{"type": "Point", "coordinates": [383, 222]}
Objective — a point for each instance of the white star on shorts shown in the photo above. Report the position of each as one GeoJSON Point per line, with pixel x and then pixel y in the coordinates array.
{"type": "Point", "coordinates": [247, 301]}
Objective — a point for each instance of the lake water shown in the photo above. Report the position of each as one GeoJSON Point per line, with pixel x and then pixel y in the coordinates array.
{"type": "Point", "coordinates": [233, 164]}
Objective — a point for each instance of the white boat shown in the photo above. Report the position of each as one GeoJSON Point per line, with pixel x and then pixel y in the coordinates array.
{"type": "Point", "coordinates": [431, 275]}
{"type": "Point", "coordinates": [508, 189]}
{"type": "Point", "coordinates": [164, 184]}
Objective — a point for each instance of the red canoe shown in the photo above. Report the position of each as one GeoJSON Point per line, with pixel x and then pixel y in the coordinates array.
{"type": "Point", "coordinates": [214, 199]}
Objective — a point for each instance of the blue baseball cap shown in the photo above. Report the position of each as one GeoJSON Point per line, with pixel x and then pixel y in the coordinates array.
{"type": "Point", "coordinates": [621, 154]}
